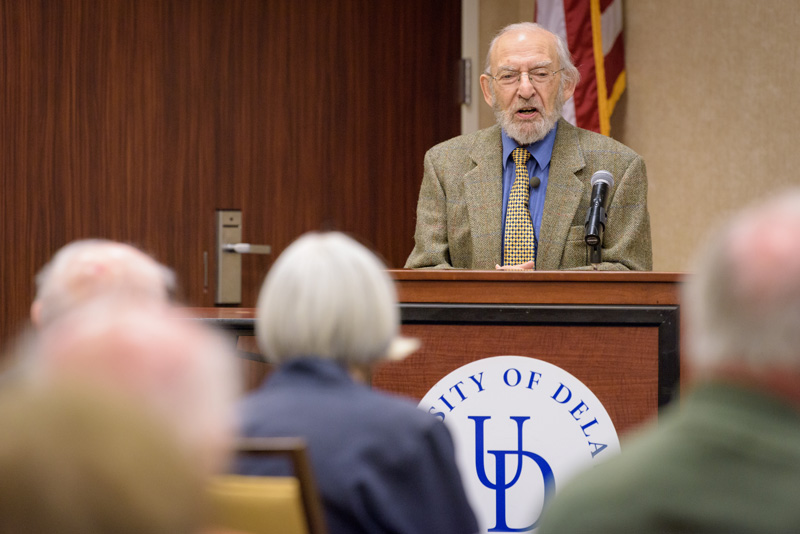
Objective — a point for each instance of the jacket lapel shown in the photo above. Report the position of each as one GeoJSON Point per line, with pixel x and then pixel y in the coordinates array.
{"type": "Point", "coordinates": [564, 192]}
{"type": "Point", "coordinates": [483, 189]}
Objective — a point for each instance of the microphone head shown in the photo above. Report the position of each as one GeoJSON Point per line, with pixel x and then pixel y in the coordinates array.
{"type": "Point", "coordinates": [603, 176]}
{"type": "Point", "coordinates": [535, 181]}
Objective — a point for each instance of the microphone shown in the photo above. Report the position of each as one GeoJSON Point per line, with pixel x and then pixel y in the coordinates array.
{"type": "Point", "coordinates": [595, 224]}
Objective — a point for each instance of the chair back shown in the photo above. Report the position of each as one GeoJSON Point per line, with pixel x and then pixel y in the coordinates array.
{"type": "Point", "coordinates": [273, 504]}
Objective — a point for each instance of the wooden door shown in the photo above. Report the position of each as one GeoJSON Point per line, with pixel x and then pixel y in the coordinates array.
{"type": "Point", "coordinates": [135, 120]}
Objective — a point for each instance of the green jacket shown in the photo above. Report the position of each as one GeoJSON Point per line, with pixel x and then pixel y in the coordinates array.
{"type": "Point", "coordinates": [727, 459]}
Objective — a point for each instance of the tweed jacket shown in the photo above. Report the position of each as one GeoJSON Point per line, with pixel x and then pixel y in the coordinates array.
{"type": "Point", "coordinates": [459, 213]}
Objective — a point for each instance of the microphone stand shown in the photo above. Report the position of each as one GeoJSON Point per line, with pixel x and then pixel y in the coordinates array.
{"type": "Point", "coordinates": [595, 223]}
{"type": "Point", "coordinates": [595, 240]}
{"type": "Point", "coordinates": [595, 254]}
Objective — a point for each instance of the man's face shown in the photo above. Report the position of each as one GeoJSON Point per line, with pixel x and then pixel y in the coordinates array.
{"type": "Point", "coordinates": [526, 110]}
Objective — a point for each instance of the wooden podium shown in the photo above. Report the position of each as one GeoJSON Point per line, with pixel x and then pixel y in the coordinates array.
{"type": "Point", "coordinates": [617, 332]}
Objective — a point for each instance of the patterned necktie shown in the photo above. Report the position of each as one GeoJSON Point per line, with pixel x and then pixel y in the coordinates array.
{"type": "Point", "coordinates": [520, 237]}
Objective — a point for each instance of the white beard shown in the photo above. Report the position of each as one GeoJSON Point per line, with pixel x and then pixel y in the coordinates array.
{"type": "Point", "coordinates": [527, 132]}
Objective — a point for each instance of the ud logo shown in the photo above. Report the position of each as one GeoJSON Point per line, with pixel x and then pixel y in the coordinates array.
{"type": "Point", "coordinates": [521, 428]}
{"type": "Point", "coordinates": [500, 484]}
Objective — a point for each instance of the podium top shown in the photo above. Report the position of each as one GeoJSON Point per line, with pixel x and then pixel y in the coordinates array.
{"type": "Point", "coordinates": [538, 287]}
{"type": "Point", "coordinates": [591, 288]}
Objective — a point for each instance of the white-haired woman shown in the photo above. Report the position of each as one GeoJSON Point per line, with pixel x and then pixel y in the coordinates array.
{"type": "Point", "coordinates": [327, 314]}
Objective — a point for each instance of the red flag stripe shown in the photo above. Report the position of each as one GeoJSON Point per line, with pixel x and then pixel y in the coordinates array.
{"type": "Point", "coordinates": [579, 41]}
{"type": "Point", "coordinates": [614, 64]}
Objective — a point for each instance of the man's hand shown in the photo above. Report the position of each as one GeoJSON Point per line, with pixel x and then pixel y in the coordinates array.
{"type": "Point", "coordinates": [527, 266]}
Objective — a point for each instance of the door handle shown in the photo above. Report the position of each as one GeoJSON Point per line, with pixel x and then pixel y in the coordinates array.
{"type": "Point", "coordinates": [246, 248]}
{"type": "Point", "coordinates": [229, 257]}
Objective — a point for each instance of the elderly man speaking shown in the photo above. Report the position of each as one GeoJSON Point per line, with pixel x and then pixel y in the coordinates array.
{"type": "Point", "coordinates": [516, 195]}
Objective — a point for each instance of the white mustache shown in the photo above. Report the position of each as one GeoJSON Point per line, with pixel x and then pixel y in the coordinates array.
{"type": "Point", "coordinates": [527, 104]}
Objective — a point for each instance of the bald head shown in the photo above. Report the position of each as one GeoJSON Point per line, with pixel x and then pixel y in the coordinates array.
{"type": "Point", "coordinates": [743, 303]}
{"type": "Point", "coordinates": [175, 367]}
{"type": "Point", "coordinates": [84, 270]}
{"type": "Point", "coordinates": [551, 43]}
{"type": "Point", "coordinates": [529, 77]}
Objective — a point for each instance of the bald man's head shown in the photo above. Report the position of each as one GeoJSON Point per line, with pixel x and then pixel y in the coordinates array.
{"type": "Point", "coordinates": [84, 270]}
{"type": "Point", "coordinates": [743, 300]}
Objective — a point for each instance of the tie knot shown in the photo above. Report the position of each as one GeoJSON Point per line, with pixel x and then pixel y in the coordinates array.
{"type": "Point", "coordinates": [520, 156]}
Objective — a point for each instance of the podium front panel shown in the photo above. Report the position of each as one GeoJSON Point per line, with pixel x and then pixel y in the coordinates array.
{"type": "Point", "coordinates": [627, 355]}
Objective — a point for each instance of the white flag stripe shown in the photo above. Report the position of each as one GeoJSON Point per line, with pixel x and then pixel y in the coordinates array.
{"type": "Point", "coordinates": [551, 16]}
{"type": "Point", "coordinates": [611, 25]}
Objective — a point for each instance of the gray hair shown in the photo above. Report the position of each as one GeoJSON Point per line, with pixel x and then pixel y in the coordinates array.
{"type": "Point", "coordinates": [327, 297]}
{"type": "Point", "coordinates": [88, 268]}
{"type": "Point", "coordinates": [570, 74]}
{"type": "Point", "coordinates": [743, 302]}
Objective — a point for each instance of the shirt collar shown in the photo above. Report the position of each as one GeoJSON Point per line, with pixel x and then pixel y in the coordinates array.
{"type": "Point", "coordinates": [310, 369]}
{"type": "Point", "coordinates": [541, 150]}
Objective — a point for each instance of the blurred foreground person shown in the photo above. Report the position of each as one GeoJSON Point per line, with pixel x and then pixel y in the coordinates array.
{"type": "Point", "coordinates": [80, 273]}
{"type": "Point", "coordinates": [86, 269]}
{"type": "Point", "coordinates": [328, 313]}
{"type": "Point", "coordinates": [727, 459]}
{"type": "Point", "coordinates": [171, 365]}
{"type": "Point", "coordinates": [89, 462]}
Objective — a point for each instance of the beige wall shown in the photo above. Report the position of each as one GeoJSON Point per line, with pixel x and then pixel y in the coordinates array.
{"type": "Point", "coordinates": [711, 105]}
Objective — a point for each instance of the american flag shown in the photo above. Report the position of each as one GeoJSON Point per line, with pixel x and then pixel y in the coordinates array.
{"type": "Point", "coordinates": [593, 32]}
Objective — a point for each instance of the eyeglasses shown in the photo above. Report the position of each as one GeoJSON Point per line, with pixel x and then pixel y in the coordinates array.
{"type": "Point", "coordinates": [540, 76]}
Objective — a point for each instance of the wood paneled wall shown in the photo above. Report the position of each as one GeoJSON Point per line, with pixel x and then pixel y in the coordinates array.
{"type": "Point", "coordinates": [135, 120]}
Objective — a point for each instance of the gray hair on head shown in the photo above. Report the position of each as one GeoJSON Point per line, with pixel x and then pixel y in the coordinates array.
{"type": "Point", "coordinates": [89, 268]}
{"type": "Point", "coordinates": [570, 74]}
{"type": "Point", "coordinates": [327, 297]}
{"type": "Point", "coordinates": [743, 302]}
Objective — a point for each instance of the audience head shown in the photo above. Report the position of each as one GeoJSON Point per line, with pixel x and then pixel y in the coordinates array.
{"type": "Point", "coordinates": [184, 373]}
{"type": "Point", "coordinates": [743, 302]}
{"type": "Point", "coordinates": [83, 270]}
{"type": "Point", "coordinates": [329, 297]}
{"type": "Point", "coordinates": [528, 108]}
{"type": "Point", "coordinates": [85, 462]}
